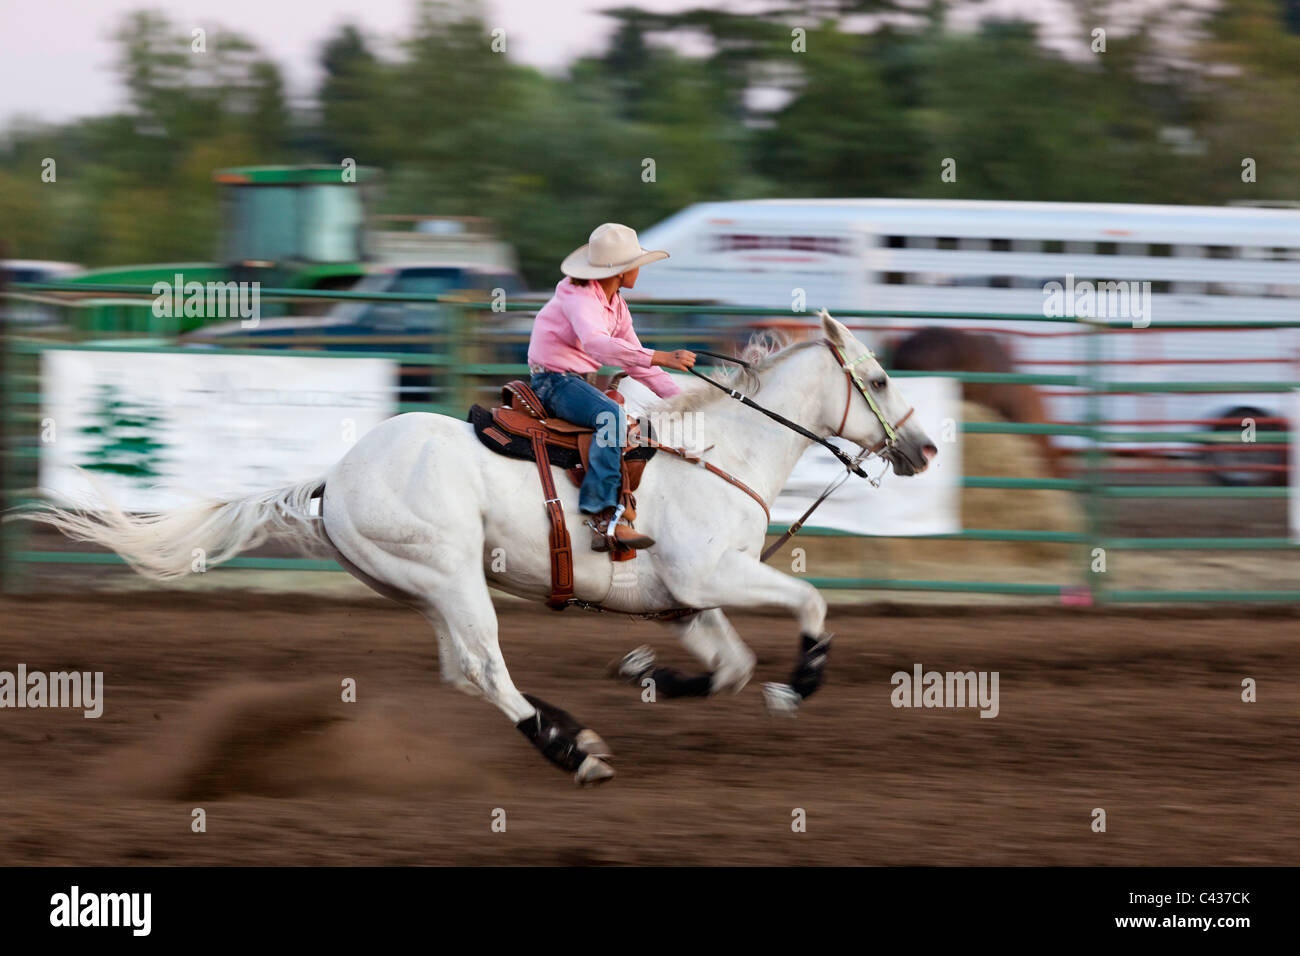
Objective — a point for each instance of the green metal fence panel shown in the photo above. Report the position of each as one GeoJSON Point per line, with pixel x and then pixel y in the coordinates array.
{"type": "Point", "coordinates": [463, 374]}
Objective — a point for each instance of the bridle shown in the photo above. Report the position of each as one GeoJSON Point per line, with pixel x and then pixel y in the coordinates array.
{"type": "Point", "coordinates": [853, 465]}
{"type": "Point", "coordinates": [854, 380]}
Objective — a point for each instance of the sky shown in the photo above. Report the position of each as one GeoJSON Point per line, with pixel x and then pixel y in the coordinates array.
{"type": "Point", "coordinates": [56, 56]}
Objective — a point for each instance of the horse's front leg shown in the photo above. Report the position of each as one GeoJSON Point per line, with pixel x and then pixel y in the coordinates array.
{"type": "Point", "coordinates": [740, 580]}
{"type": "Point", "coordinates": [711, 638]}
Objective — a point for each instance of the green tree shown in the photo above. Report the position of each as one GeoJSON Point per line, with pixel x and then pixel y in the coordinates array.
{"type": "Point", "coordinates": [844, 133]}
{"type": "Point", "coordinates": [351, 90]}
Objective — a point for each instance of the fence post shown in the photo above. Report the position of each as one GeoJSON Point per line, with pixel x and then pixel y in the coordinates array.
{"type": "Point", "coordinates": [457, 353]}
{"type": "Point", "coordinates": [11, 574]}
{"type": "Point", "coordinates": [6, 531]}
{"type": "Point", "coordinates": [1094, 481]}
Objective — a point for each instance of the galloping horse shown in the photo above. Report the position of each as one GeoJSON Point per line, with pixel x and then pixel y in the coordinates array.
{"type": "Point", "coordinates": [418, 506]}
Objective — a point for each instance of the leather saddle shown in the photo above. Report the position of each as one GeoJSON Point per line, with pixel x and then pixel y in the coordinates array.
{"type": "Point", "coordinates": [508, 428]}
{"type": "Point", "coordinates": [520, 428]}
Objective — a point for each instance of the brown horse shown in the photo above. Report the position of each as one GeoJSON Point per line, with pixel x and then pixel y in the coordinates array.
{"type": "Point", "coordinates": [938, 349]}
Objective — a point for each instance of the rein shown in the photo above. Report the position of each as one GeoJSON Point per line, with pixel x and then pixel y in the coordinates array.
{"type": "Point", "coordinates": [851, 465]}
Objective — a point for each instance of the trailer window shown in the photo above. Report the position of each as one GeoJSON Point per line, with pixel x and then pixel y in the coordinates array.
{"type": "Point", "coordinates": [829, 245]}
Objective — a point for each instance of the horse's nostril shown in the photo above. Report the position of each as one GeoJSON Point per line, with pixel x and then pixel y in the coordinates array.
{"type": "Point", "coordinates": [929, 450]}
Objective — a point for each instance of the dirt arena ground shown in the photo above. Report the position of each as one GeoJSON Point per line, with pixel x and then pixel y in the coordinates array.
{"type": "Point", "coordinates": [232, 704]}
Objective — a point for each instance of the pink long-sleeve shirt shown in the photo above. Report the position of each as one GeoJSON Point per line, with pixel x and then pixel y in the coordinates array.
{"type": "Point", "coordinates": [580, 330]}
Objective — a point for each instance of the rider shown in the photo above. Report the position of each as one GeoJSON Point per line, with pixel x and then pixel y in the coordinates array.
{"type": "Point", "coordinates": [584, 326]}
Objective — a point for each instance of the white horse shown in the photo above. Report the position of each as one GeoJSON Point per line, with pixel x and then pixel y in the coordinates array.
{"type": "Point", "coordinates": [422, 512]}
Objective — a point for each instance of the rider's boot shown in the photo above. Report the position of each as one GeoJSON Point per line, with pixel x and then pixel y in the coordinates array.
{"type": "Point", "coordinates": [609, 530]}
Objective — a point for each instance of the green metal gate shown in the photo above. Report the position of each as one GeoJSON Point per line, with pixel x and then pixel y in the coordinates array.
{"type": "Point", "coordinates": [465, 374]}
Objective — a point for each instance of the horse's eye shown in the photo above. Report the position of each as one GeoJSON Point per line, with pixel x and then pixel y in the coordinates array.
{"type": "Point", "coordinates": [879, 384]}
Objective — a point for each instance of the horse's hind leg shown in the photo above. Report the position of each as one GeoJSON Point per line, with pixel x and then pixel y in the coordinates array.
{"type": "Point", "coordinates": [448, 654]}
{"type": "Point", "coordinates": [715, 642]}
{"type": "Point", "coordinates": [711, 638]}
{"type": "Point", "coordinates": [464, 607]}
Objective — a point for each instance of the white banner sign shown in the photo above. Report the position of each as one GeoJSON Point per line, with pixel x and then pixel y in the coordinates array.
{"type": "Point", "coordinates": [158, 429]}
{"type": "Point", "coordinates": [929, 503]}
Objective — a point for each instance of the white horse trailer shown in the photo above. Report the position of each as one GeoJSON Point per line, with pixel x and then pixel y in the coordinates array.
{"type": "Point", "coordinates": [1216, 265]}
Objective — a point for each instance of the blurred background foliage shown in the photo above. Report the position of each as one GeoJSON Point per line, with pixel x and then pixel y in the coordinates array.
{"type": "Point", "coordinates": [1166, 114]}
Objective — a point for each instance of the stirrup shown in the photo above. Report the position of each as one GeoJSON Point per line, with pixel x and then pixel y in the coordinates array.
{"type": "Point", "coordinates": [603, 541]}
{"type": "Point", "coordinates": [593, 522]}
{"type": "Point", "coordinates": [611, 526]}
{"type": "Point", "coordinates": [607, 539]}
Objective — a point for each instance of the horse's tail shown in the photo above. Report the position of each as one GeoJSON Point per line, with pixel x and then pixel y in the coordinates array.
{"type": "Point", "coordinates": [193, 536]}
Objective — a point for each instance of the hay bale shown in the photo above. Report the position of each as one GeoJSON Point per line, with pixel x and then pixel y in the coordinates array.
{"type": "Point", "coordinates": [1012, 456]}
{"type": "Point", "coordinates": [1006, 456]}
{"type": "Point", "coordinates": [1015, 509]}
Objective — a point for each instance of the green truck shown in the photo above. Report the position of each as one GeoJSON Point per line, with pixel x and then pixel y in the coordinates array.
{"type": "Point", "coordinates": [284, 227]}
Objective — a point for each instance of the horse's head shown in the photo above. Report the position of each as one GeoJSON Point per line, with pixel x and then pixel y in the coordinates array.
{"type": "Point", "coordinates": [875, 406]}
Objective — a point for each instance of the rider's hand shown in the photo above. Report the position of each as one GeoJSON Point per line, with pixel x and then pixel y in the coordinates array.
{"type": "Point", "coordinates": [680, 360]}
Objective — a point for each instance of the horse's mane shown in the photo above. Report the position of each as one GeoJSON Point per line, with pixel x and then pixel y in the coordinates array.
{"type": "Point", "coordinates": [765, 349]}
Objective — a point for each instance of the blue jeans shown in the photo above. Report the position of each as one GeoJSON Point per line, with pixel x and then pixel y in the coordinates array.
{"type": "Point", "coordinates": [571, 398]}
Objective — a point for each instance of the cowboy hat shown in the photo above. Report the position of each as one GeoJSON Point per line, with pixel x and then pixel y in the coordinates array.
{"type": "Point", "coordinates": [613, 248]}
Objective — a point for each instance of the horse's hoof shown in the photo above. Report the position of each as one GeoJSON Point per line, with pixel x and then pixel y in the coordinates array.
{"type": "Point", "coordinates": [781, 700]}
{"type": "Point", "coordinates": [593, 771]}
{"type": "Point", "coordinates": [636, 664]}
{"type": "Point", "coordinates": [589, 742]}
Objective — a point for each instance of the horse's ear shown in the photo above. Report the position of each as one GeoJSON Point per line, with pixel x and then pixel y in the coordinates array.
{"type": "Point", "coordinates": [836, 331]}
